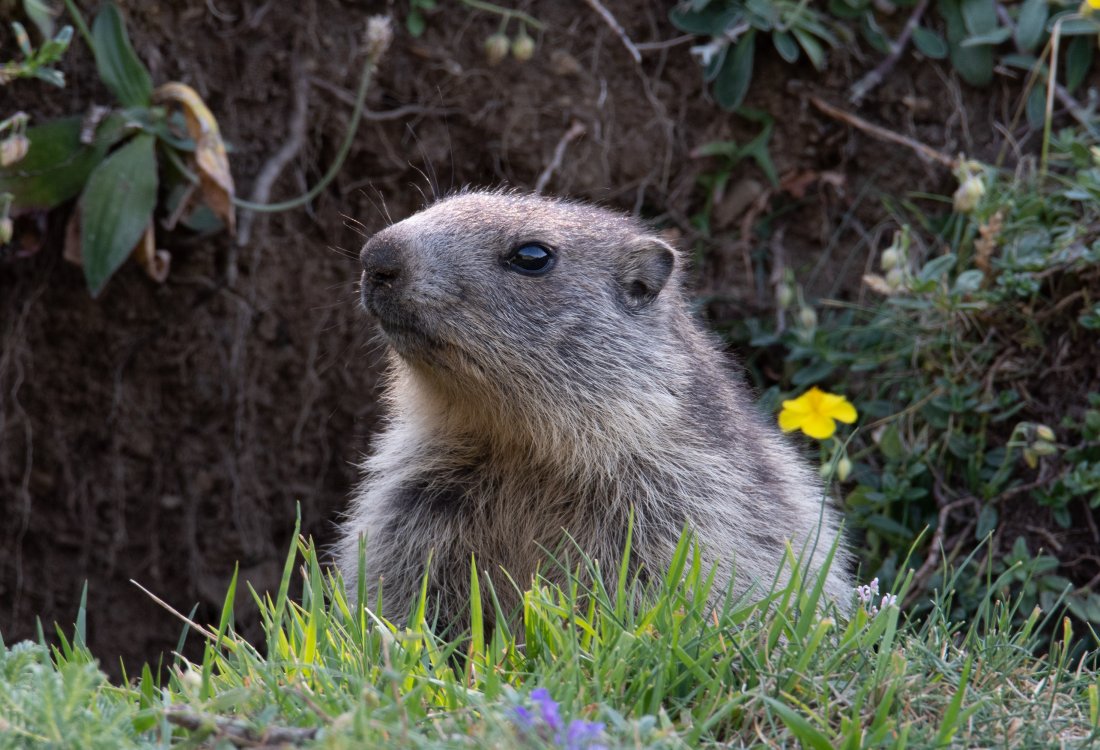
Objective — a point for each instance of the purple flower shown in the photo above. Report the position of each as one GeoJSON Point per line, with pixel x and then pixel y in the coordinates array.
{"type": "Point", "coordinates": [548, 708]}
{"type": "Point", "coordinates": [582, 735]}
{"type": "Point", "coordinates": [524, 718]}
{"type": "Point", "coordinates": [546, 723]}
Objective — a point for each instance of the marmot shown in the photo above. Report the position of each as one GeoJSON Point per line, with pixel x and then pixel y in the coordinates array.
{"type": "Point", "coordinates": [546, 376]}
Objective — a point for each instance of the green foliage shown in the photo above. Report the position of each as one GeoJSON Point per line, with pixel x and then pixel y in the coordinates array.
{"type": "Point", "coordinates": [796, 28]}
{"type": "Point", "coordinates": [582, 668]}
{"type": "Point", "coordinates": [414, 21]}
{"type": "Point", "coordinates": [37, 63]}
{"type": "Point", "coordinates": [120, 196]}
{"type": "Point", "coordinates": [960, 372]}
{"type": "Point", "coordinates": [116, 61]}
{"type": "Point", "coordinates": [72, 156]}
{"type": "Point", "coordinates": [62, 704]}
{"type": "Point", "coordinates": [971, 33]}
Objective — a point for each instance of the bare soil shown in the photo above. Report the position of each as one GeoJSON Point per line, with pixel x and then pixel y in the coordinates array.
{"type": "Point", "coordinates": [163, 433]}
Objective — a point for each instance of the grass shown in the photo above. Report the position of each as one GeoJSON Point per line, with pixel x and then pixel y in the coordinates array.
{"type": "Point", "coordinates": [582, 669]}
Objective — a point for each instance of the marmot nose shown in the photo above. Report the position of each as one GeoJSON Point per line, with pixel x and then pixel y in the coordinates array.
{"type": "Point", "coordinates": [382, 263]}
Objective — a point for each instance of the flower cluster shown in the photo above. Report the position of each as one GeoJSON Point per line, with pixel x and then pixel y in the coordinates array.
{"type": "Point", "coordinates": [543, 720]}
{"type": "Point", "coordinates": [867, 595]}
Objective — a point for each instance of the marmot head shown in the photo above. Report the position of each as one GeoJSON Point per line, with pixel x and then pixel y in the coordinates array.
{"type": "Point", "coordinates": [518, 289]}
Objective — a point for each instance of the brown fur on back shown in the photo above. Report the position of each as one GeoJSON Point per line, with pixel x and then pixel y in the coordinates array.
{"type": "Point", "coordinates": [520, 406]}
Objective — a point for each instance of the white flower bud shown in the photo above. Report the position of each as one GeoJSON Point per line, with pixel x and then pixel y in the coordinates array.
{"type": "Point", "coordinates": [496, 48]}
{"type": "Point", "coordinates": [808, 318]}
{"type": "Point", "coordinates": [523, 46]}
{"type": "Point", "coordinates": [895, 278]}
{"type": "Point", "coordinates": [890, 258]}
{"type": "Point", "coordinates": [968, 195]}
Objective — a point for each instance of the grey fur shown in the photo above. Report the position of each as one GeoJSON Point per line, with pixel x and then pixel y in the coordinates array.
{"type": "Point", "coordinates": [520, 406]}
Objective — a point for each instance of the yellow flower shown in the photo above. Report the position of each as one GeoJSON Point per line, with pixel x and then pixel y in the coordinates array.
{"type": "Point", "coordinates": [816, 413]}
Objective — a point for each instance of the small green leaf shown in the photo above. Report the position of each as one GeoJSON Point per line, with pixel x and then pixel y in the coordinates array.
{"type": "Point", "coordinates": [1036, 106]}
{"type": "Point", "coordinates": [40, 15]}
{"type": "Point", "coordinates": [811, 46]}
{"type": "Point", "coordinates": [57, 164]}
{"type": "Point", "coordinates": [1031, 24]}
{"type": "Point", "coordinates": [414, 22]}
{"type": "Point", "coordinates": [1079, 56]}
{"type": "Point", "coordinates": [733, 81]}
{"type": "Point", "coordinates": [785, 46]}
{"type": "Point", "coordinates": [711, 21]}
{"type": "Point", "coordinates": [116, 207]}
{"type": "Point", "coordinates": [979, 16]}
{"type": "Point", "coordinates": [118, 64]}
{"type": "Point", "coordinates": [969, 281]}
{"type": "Point", "coordinates": [937, 267]}
{"type": "Point", "coordinates": [987, 521]}
{"type": "Point", "coordinates": [929, 43]}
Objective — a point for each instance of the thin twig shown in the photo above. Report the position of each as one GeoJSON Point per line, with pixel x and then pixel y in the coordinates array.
{"type": "Point", "coordinates": [576, 130]}
{"type": "Point", "coordinates": [865, 84]}
{"type": "Point", "coordinates": [674, 42]}
{"type": "Point", "coordinates": [397, 113]}
{"type": "Point", "coordinates": [609, 19]}
{"type": "Point", "coordinates": [237, 730]}
{"type": "Point", "coordinates": [879, 132]}
{"type": "Point", "coordinates": [210, 635]}
{"type": "Point", "coordinates": [261, 190]}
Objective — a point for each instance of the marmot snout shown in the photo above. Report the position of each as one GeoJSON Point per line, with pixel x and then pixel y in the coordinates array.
{"type": "Point", "coordinates": [547, 377]}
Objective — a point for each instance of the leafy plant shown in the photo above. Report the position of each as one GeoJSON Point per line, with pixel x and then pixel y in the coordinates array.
{"type": "Point", "coordinates": [953, 370]}
{"type": "Point", "coordinates": [975, 35]}
{"type": "Point", "coordinates": [158, 141]}
{"type": "Point", "coordinates": [37, 63]}
{"type": "Point", "coordinates": [795, 27]}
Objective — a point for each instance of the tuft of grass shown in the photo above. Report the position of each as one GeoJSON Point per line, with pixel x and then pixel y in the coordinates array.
{"type": "Point", "coordinates": [583, 667]}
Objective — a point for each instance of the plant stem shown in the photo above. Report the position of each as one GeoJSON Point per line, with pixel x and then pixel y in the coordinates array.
{"type": "Point", "coordinates": [506, 12]}
{"type": "Point", "coordinates": [82, 27]}
{"type": "Point", "coordinates": [341, 155]}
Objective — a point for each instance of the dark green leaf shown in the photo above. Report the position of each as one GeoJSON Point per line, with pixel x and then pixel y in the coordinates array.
{"type": "Point", "coordinates": [1037, 105]}
{"type": "Point", "coordinates": [994, 37]}
{"type": "Point", "coordinates": [733, 81]}
{"type": "Point", "coordinates": [785, 46]}
{"type": "Point", "coordinates": [116, 207]}
{"type": "Point", "coordinates": [711, 21]}
{"type": "Point", "coordinates": [979, 16]}
{"type": "Point", "coordinates": [974, 64]}
{"type": "Point", "coordinates": [937, 267]}
{"type": "Point", "coordinates": [714, 67]}
{"type": "Point", "coordinates": [58, 164]}
{"type": "Point", "coordinates": [987, 522]}
{"type": "Point", "coordinates": [414, 22]}
{"type": "Point", "coordinates": [929, 43]}
{"type": "Point", "coordinates": [969, 281]}
{"type": "Point", "coordinates": [874, 35]}
{"type": "Point", "coordinates": [1077, 27]}
{"type": "Point", "coordinates": [118, 64]}
{"type": "Point", "coordinates": [1031, 24]}
{"type": "Point", "coordinates": [811, 46]}
{"type": "Point", "coordinates": [815, 373]}
{"type": "Point", "coordinates": [1079, 56]}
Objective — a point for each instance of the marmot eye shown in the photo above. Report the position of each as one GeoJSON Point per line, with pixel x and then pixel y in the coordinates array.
{"type": "Point", "coordinates": [530, 259]}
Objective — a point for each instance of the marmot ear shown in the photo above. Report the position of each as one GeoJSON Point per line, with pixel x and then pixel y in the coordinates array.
{"type": "Point", "coordinates": [646, 269]}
